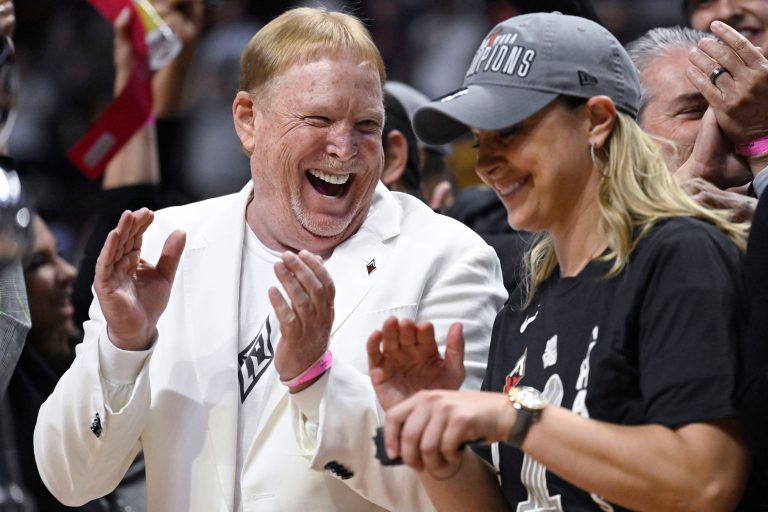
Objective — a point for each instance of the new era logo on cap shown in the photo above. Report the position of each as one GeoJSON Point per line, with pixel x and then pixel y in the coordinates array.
{"type": "Point", "coordinates": [587, 79]}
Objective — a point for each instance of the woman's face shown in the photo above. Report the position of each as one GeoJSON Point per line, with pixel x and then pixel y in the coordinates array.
{"type": "Point", "coordinates": [541, 167]}
{"type": "Point", "coordinates": [49, 279]}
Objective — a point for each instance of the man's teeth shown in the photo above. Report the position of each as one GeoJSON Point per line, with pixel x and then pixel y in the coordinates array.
{"type": "Point", "coordinates": [336, 179]}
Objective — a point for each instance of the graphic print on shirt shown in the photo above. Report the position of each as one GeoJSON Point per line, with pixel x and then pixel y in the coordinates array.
{"type": "Point", "coordinates": [580, 405]}
{"type": "Point", "coordinates": [549, 358]}
{"type": "Point", "coordinates": [533, 473]}
{"type": "Point", "coordinates": [528, 320]}
{"type": "Point", "coordinates": [518, 372]}
{"type": "Point", "coordinates": [254, 360]}
{"type": "Point", "coordinates": [580, 402]}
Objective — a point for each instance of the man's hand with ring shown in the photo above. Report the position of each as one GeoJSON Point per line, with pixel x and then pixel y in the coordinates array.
{"type": "Point", "coordinates": [715, 73]}
{"type": "Point", "coordinates": [733, 77]}
{"type": "Point", "coordinates": [305, 322]}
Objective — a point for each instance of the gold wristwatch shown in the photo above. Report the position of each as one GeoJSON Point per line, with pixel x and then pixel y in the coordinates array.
{"type": "Point", "coordinates": [528, 404]}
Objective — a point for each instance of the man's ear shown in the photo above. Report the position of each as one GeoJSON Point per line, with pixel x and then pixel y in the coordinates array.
{"type": "Point", "coordinates": [602, 118]}
{"type": "Point", "coordinates": [395, 158]}
{"type": "Point", "coordinates": [243, 112]}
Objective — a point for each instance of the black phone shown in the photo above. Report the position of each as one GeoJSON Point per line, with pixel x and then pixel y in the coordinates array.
{"type": "Point", "coordinates": [381, 453]}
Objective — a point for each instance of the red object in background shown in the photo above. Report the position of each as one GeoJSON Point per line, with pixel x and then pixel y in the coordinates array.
{"type": "Point", "coordinates": [128, 112]}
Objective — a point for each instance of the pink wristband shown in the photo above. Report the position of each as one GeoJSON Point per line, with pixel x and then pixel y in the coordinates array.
{"type": "Point", "coordinates": [755, 147]}
{"type": "Point", "coordinates": [317, 369]}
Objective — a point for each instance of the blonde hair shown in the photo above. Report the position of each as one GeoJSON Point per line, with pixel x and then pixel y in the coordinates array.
{"type": "Point", "coordinates": [637, 192]}
{"type": "Point", "coordinates": [302, 35]}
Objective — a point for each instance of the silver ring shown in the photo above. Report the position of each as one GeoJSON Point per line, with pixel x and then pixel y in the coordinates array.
{"type": "Point", "coordinates": [715, 73]}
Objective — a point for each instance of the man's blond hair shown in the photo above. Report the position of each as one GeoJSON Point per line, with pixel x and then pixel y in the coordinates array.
{"type": "Point", "coordinates": [302, 35]}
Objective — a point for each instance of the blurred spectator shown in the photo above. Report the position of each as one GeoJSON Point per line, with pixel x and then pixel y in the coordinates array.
{"type": "Point", "coordinates": [401, 149]}
{"type": "Point", "coordinates": [435, 182]}
{"type": "Point", "coordinates": [732, 74]}
{"type": "Point", "coordinates": [438, 184]}
{"type": "Point", "coordinates": [133, 178]}
{"type": "Point", "coordinates": [674, 112]}
{"type": "Point", "coordinates": [213, 163]}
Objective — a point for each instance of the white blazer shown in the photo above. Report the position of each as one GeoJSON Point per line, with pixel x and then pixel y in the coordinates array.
{"type": "Point", "coordinates": [179, 400]}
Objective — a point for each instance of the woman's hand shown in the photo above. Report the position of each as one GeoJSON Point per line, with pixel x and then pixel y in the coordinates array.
{"type": "Point", "coordinates": [403, 359]}
{"type": "Point", "coordinates": [430, 429]}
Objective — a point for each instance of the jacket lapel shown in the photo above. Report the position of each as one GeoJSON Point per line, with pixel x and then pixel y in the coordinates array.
{"type": "Point", "coordinates": [211, 282]}
{"type": "Point", "coordinates": [357, 263]}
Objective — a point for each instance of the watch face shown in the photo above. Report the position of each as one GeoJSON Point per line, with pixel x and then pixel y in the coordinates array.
{"type": "Point", "coordinates": [529, 398]}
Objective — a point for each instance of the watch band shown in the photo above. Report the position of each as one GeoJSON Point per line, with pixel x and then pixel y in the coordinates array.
{"type": "Point", "coordinates": [528, 403]}
{"type": "Point", "coordinates": [524, 418]}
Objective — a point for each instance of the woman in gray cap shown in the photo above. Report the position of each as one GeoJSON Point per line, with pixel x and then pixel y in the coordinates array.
{"type": "Point", "coordinates": [611, 376]}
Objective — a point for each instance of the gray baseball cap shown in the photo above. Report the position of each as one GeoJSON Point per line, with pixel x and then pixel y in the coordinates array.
{"type": "Point", "coordinates": [522, 65]}
{"type": "Point", "coordinates": [411, 99]}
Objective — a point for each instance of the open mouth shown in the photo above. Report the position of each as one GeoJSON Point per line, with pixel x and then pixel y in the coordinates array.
{"type": "Point", "coordinates": [751, 33]}
{"type": "Point", "coordinates": [331, 185]}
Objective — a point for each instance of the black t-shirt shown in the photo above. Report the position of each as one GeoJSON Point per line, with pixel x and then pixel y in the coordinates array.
{"type": "Point", "coordinates": [653, 344]}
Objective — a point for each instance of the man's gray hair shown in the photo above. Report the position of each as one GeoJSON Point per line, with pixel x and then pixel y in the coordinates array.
{"type": "Point", "coordinates": [659, 42]}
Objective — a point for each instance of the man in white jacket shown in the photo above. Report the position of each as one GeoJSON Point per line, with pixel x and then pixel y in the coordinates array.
{"type": "Point", "coordinates": [237, 362]}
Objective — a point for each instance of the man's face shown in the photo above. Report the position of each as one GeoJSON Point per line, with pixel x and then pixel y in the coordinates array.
{"type": "Point", "coordinates": [675, 107]}
{"type": "Point", "coordinates": [750, 17]}
{"type": "Point", "coordinates": [317, 153]}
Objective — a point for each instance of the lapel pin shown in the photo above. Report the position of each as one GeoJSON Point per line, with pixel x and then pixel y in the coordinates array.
{"type": "Point", "coordinates": [370, 266]}
{"type": "Point", "coordinates": [96, 425]}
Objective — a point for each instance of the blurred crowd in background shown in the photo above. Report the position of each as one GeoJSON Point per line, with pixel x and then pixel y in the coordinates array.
{"type": "Point", "coordinates": [65, 59]}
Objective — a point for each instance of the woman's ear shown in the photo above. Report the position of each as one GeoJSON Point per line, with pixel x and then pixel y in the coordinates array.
{"type": "Point", "coordinates": [243, 112]}
{"type": "Point", "coordinates": [602, 118]}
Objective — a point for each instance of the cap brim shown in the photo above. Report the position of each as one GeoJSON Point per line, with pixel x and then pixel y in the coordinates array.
{"type": "Point", "coordinates": [486, 107]}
